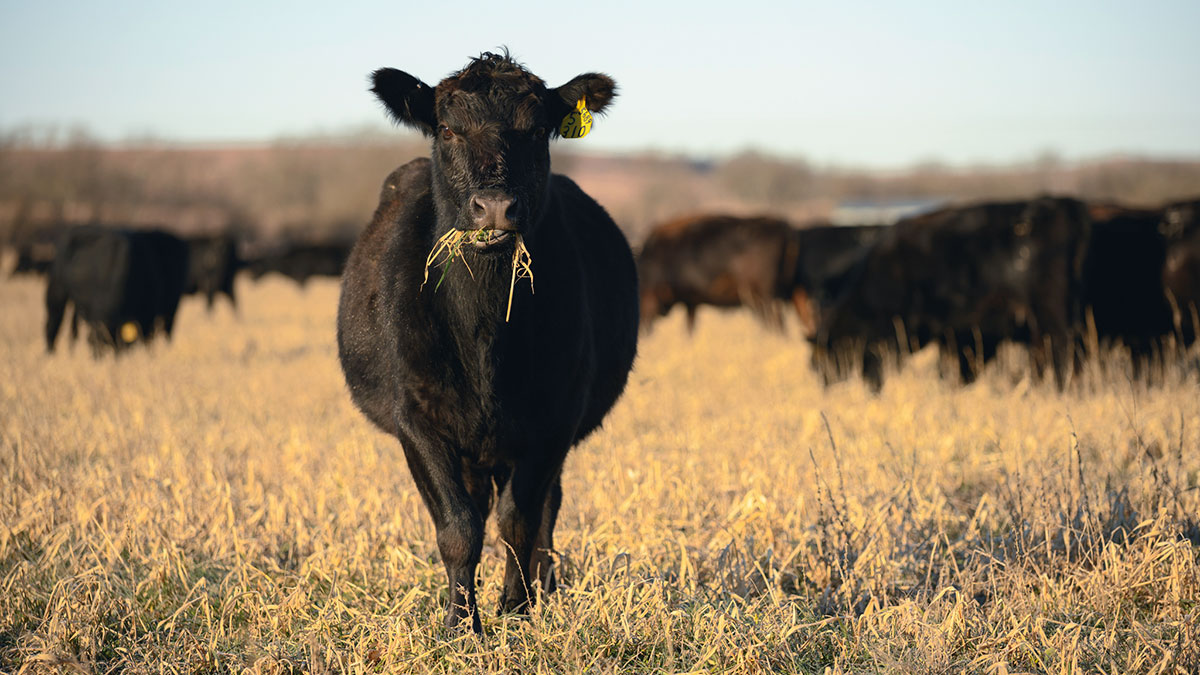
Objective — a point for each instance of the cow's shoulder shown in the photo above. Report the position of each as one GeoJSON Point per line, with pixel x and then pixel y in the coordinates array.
{"type": "Point", "coordinates": [567, 190]}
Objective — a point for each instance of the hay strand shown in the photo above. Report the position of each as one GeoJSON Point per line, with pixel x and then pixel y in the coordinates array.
{"type": "Point", "coordinates": [449, 246]}
{"type": "Point", "coordinates": [520, 269]}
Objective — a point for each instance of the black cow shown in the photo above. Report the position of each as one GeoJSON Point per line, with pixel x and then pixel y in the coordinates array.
{"type": "Point", "coordinates": [212, 265]}
{"type": "Point", "coordinates": [1181, 272]}
{"type": "Point", "coordinates": [966, 279]}
{"type": "Point", "coordinates": [1123, 295]}
{"type": "Point", "coordinates": [300, 262]}
{"type": "Point", "coordinates": [33, 258]}
{"type": "Point", "coordinates": [114, 278]}
{"type": "Point", "coordinates": [826, 254]}
{"type": "Point", "coordinates": [486, 407]}
{"type": "Point", "coordinates": [35, 248]}
{"type": "Point", "coordinates": [717, 260]}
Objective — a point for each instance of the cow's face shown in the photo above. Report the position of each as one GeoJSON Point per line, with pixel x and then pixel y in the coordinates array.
{"type": "Point", "coordinates": [656, 302]}
{"type": "Point", "coordinates": [491, 125]}
{"type": "Point", "coordinates": [1180, 220]}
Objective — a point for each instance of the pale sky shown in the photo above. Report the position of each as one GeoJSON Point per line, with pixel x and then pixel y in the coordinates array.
{"type": "Point", "coordinates": [849, 83]}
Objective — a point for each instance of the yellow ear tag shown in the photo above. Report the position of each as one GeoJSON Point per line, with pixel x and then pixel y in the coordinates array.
{"type": "Point", "coordinates": [129, 332]}
{"type": "Point", "coordinates": [578, 122]}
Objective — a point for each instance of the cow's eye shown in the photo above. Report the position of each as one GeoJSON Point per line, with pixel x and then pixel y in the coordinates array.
{"type": "Point", "coordinates": [539, 133]}
{"type": "Point", "coordinates": [446, 133]}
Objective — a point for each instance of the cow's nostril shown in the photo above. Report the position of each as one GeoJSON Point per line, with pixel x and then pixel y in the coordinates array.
{"type": "Point", "coordinates": [494, 209]}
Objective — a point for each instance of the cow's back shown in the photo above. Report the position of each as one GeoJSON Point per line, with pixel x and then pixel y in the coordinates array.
{"type": "Point", "coordinates": [827, 253]}
{"type": "Point", "coordinates": [745, 252]}
{"type": "Point", "coordinates": [992, 271]}
{"type": "Point", "coordinates": [718, 260]}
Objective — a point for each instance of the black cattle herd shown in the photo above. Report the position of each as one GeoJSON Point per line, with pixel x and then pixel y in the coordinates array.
{"type": "Point", "coordinates": [488, 383]}
{"type": "Point", "coordinates": [125, 284]}
{"type": "Point", "coordinates": [1056, 275]}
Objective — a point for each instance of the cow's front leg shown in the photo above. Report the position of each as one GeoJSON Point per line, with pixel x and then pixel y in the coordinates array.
{"type": "Point", "coordinates": [437, 473]}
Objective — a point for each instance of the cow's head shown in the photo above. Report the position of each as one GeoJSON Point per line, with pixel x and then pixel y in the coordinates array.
{"type": "Point", "coordinates": [1180, 220]}
{"type": "Point", "coordinates": [491, 125]}
{"type": "Point", "coordinates": [656, 302]}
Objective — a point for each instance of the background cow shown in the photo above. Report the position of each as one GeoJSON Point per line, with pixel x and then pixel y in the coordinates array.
{"type": "Point", "coordinates": [1181, 272]}
{"type": "Point", "coordinates": [1123, 296]}
{"type": "Point", "coordinates": [825, 256]}
{"type": "Point", "coordinates": [212, 266]}
{"type": "Point", "coordinates": [113, 278]}
{"type": "Point", "coordinates": [34, 247]}
{"type": "Point", "coordinates": [966, 278]}
{"type": "Point", "coordinates": [301, 261]}
{"type": "Point", "coordinates": [487, 406]}
{"type": "Point", "coordinates": [33, 258]}
{"type": "Point", "coordinates": [717, 260]}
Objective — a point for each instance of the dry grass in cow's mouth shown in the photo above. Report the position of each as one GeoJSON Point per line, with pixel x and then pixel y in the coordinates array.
{"type": "Point", "coordinates": [450, 246]}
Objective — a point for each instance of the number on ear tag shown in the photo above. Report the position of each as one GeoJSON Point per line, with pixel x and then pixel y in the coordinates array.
{"type": "Point", "coordinates": [578, 122]}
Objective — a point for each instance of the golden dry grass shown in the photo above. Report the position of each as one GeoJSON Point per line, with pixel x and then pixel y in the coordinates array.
{"type": "Point", "coordinates": [218, 505]}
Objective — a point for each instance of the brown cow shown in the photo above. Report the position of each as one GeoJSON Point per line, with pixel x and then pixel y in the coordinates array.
{"type": "Point", "coordinates": [717, 260]}
{"type": "Point", "coordinates": [1181, 273]}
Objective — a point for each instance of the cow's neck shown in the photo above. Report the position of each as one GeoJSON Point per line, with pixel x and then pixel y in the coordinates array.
{"type": "Point", "coordinates": [473, 308]}
{"type": "Point", "coordinates": [472, 299]}
{"type": "Point", "coordinates": [475, 288]}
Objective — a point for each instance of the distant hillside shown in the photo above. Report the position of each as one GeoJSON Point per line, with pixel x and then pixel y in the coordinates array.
{"type": "Point", "coordinates": [325, 188]}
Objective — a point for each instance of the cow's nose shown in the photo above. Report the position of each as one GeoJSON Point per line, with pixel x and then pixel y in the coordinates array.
{"type": "Point", "coordinates": [494, 211]}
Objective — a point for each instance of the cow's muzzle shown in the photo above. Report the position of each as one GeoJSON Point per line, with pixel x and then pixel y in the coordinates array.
{"type": "Point", "coordinates": [495, 210]}
{"type": "Point", "coordinates": [495, 217]}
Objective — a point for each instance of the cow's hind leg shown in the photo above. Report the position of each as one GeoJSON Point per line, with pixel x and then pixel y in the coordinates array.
{"type": "Point", "coordinates": [74, 327]}
{"type": "Point", "coordinates": [972, 360]}
{"type": "Point", "coordinates": [804, 310]}
{"type": "Point", "coordinates": [56, 306]}
{"type": "Point", "coordinates": [542, 564]}
{"type": "Point", "coordinates": [169, 317]}
{"type": "Point", "coordinates": [227, 289]}
{"type": "Point", "coordinates": [873, 356]}
{"type": "Point", "coordinates": [107, 336]}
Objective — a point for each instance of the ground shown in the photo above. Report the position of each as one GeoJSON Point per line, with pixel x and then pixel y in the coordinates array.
{"type": "Point", "coordinates": [217, 504]}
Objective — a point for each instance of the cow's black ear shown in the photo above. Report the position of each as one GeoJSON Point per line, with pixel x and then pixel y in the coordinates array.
{"type": "Point", "coordinates": [597, 89]}
{"type": "Point", "coordinates": [409, 101]}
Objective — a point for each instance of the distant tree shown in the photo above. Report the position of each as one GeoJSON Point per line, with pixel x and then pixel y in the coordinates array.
{"type": "Point", "coordinates": [771, 182]}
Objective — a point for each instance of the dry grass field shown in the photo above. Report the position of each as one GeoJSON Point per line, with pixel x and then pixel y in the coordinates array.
{"type": "Point", "coordinates": [218, 505]}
